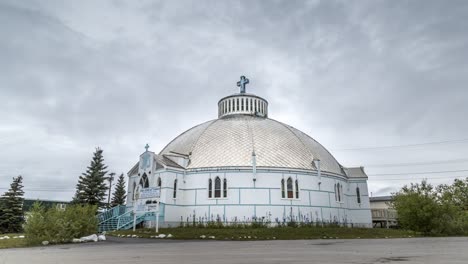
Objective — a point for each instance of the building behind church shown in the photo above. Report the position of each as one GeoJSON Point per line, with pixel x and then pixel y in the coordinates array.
{"type": "Point", "coordinates": [244, 167]}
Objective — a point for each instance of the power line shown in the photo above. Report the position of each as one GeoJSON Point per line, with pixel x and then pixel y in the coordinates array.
{"type": "Point", "coordinates": [410, 179]}
{"type": "Point", "coordinates": [44, 190]}
{"type": "Point", "coordinates": [416, 173]}
{"type": "Point", "coordinates": [403, 146]}
{"type": "Point", "coordinates": [416, 163]}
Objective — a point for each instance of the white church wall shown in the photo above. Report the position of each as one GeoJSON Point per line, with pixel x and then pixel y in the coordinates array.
{"type": "Point", "coordinates": [264, 201]}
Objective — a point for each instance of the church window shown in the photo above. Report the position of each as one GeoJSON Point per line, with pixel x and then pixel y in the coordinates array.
{"type": "Point", "coordinates": [237, 105]}
{"type": "Point", "coordinates": [217, 188]}
{"type": "Point", "coordinates": [334, 190]}
{"type": "Point", "coordinates": [174, 194]}
{"type": "Point", "coordinates": [297, 189]}
{"type": "Point", "coordinates": [341, 192]}
{"type": "Point", "coordinates": [144, 181]}
{"type": "Point", "coordinates": [290, 188]}
{"type": "Point", "coordinates": [282, 189]}
{"type": "Point", "coordinates": [250, 105]}
{"type": "Point", "coordinates": [224, 188]}
{"type": "Point", "coordinates": [134, 190]}
{"type": "Point", "coordinates": [159, 182]}
{"type": "Point", "coordinates": [338, 192]}
{"type": "Point", "coordinates": [210, 188]}
{"type": "Point", "coordinates": [242, 104]}
{"type": "Point", "coordinates": [358, 195]}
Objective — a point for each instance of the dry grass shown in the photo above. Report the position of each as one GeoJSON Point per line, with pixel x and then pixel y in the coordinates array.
{"type": "Point", "coordinates": [263, 233]}
{"type": "Point", "coordinates": [12, 242]}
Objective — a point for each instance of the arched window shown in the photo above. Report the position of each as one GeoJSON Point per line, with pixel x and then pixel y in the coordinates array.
{"type": "Point", "coordinates": [174, 194]}
{"type": "Point", "coordinates": [237, 105]}
{"type": "Point", "coordinates": [358, 195]}
{"type": "Point", "coordinates": [210, 188]}
{"type": "Point", "coordinates": [134, 190]}
{"type": "Point", "coordinates": [144, 181]}
{"type": "Point", "coordinates": [217, 188]}
{"type": "Point", "coordinates": [341, 192]}
{"type": "Point", "coordinates": [290, 188]}
{"type": "Point", "coordinates": [338, 192]}
{"type": "Point", "coordinates": [224, 188]}
{"type": "Point", "coordinates": [159, 182]}
{"type": "Point", "coordinates": [297, 189]}
{"type": "Point", "coordinates": [242, 104]}
{"type": "Point", "coordinates": [282, 188]}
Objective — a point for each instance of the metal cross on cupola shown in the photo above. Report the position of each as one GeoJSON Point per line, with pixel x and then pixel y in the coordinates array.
{"type": "Point", "coordinates": [243, 81]}
{"type": "Point", "coordinates": [147, 147]}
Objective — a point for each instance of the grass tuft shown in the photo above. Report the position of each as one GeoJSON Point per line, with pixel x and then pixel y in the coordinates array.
{"type": "Point", "coordinates": [12, 242]}
{"type": "Point", "coordinates": [265, 233]}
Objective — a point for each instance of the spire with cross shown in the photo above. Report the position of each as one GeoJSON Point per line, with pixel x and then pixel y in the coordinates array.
{"type": "Point", "coordinates": [243, 81]}
{"type": "Point", "coordinates": [147, 147]}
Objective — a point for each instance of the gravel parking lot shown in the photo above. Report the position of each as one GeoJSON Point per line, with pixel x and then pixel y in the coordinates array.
{"type": "Point", "coordinates": [126, 250]}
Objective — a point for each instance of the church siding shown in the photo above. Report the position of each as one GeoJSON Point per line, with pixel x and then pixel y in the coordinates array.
{"type": "Point", "coordinates": [264, 200]}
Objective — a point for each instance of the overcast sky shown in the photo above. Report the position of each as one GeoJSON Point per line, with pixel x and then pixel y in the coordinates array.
{"type": "Point", "coordinates": [75, 75]}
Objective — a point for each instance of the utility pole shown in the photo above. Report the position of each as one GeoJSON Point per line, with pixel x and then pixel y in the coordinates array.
{"type": "Point", "coordinates": [110, 178]}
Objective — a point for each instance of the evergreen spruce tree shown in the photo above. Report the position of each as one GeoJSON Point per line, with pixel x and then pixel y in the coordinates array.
{"type": "Point", "coordinates": [91, 188]}
{"type": "Point", "coordinates": [119, 195]}
{"type": "Point", "coordinates": [11, 207]}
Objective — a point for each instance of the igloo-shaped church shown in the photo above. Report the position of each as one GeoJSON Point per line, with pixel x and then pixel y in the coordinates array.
{"type": "Point", "coordinates": [244, 167]}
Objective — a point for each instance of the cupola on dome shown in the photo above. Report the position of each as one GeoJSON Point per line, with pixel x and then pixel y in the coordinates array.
{"type": "Point", "coordinates": [243, 129]}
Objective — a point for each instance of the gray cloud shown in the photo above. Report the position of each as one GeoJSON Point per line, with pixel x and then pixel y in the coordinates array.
{"type": "Point", "coordinates": [118, 74]}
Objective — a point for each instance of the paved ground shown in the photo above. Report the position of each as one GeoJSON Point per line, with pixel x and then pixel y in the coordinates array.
{"type": "Point", "coordinates": [117, 250]}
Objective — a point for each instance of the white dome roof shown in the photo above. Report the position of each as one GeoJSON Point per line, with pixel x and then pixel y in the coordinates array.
{"type": "Point", "coordinates": [229, 142]}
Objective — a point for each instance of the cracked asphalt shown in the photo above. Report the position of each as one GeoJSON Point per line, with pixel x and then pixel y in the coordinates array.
{"type": "Point", "coordinates": [135, 250]}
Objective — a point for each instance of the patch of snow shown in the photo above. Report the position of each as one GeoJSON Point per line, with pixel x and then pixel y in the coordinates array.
{"type": "Point", "coordinates": [162, 236]}
{"type": "Point", "coordinates": [211, 237]}
{"type": "Point", "coordinates": [169, 236]}
{"type": "Point", "coordinates": [90, 238]}
{"type": "Point", "coordinates": [45, 243]}
{"type": "Point", "coordinates": [76, 240]}
{"type": "Point", "coordinates": [202, 236]}
{"type": "Point", "coordinates": [102, 238]}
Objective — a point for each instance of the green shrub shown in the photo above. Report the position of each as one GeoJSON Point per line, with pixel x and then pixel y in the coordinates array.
{"type": "Point", "coordinates": [58, 226]}
{"type": "Point", "coordinates": [442, 210]}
